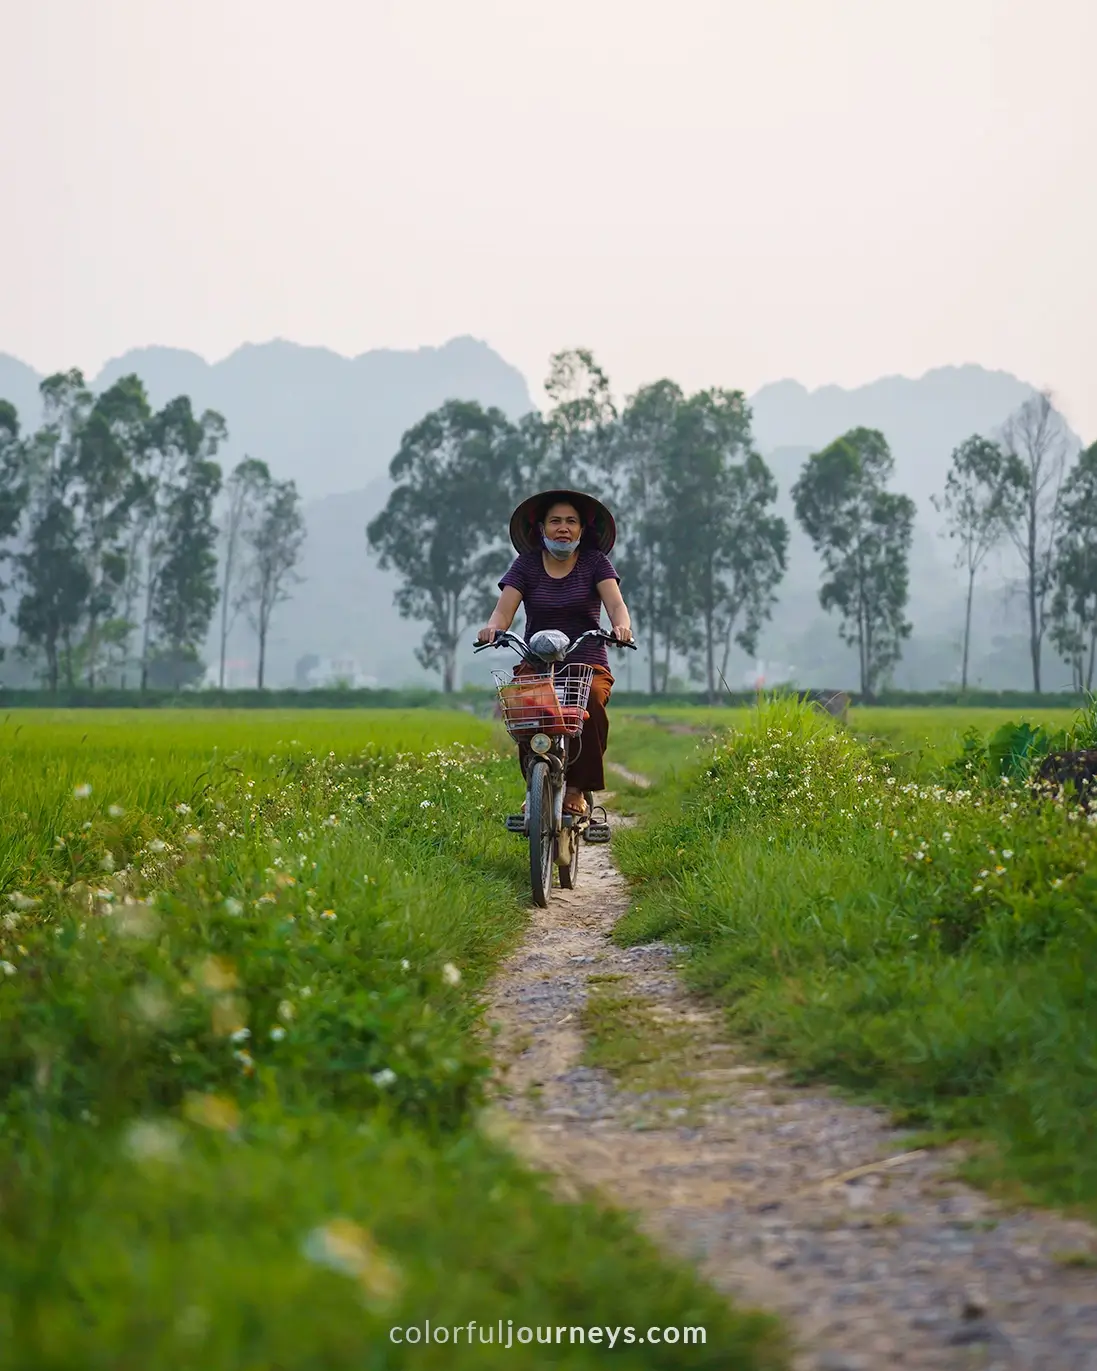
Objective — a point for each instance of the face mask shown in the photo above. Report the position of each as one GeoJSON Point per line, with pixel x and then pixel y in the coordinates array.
{"type": "Point", "coordinates": [561, 551]}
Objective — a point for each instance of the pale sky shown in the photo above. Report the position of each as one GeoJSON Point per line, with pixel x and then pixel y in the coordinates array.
{"type": "Point", "coordinates": [723, 192]}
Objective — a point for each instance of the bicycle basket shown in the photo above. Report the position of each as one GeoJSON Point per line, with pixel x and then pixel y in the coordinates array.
{"type": "Point", "coordinates": [544, 703]}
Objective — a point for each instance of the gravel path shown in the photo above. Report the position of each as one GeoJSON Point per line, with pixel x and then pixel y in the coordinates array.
{"type": "Point", "coordinates": [745, 1175]}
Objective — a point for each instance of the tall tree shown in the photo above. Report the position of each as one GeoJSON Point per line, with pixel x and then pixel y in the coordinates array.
{"type": "Point", "coordinates": [108, 458]}
{"type": "Point", "coordinates": [54, 581]}
{"type": "Point", "coordinates": [644, 446]}
{"type": "Point", "coordinates": [185, 588]}
{"type": "Point", "coordinates": [725, 546]}
{"type": "Point", "coordinates": [274, 540]}
{"type": "Point", "coordinates": [863, 532]}
{"type": "Point", "coordinates": [578, 446]}
{"type": "Point", "coordinates": [246, 488]}
{"type": "Point", "coordinates": [13, 489]}
{"type": "Point", "coordinates": [455, 479]}
{"type": "Point", "coordinates": [176, 440]}
{"type": "Point", "coordinates": [1073, 610]}
{"type": "Point", "coordinates": [1036, 437]}
{"type": "Point", "coordinates": [981, 501]}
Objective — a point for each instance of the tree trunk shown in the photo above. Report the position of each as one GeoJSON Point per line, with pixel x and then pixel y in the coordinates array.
{"type": "Point", "coordinates": [710, 656]}
{"type": "Point", "coordinates": [1092, 657]}
{"type": "Point", "coordinates": [224, 638]}
{"type": "Point", "coordinates": [93, 648]}
{"type": "Point", "coordinates": [967, 629]}
{"type": "Point", "coordinates": [862, 652]}
{"type": "Point", "coordinates": [727, 649]}
{"type": "Point", "coordinates": [145, 635]}
{"type": "Point", "coordinates": [449, 670]}
{"type": "Point", "coordinates": [226, 582]}
{"type": "Point", "coordinates": [70, 678]}
{"type": "Point", "coordinates": [1033, 634]}
{"type": "Point", "coordinates": [262, 653]}
{"type": "Point", "coordinates": [649, 626]}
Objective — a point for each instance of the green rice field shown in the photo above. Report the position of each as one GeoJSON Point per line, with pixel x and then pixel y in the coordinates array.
{"type": "Point", "coordinates": [242, 1060]}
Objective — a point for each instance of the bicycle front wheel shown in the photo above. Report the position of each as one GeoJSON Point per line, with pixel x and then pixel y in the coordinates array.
{"type": "Point", "coordinates": [542, 833]}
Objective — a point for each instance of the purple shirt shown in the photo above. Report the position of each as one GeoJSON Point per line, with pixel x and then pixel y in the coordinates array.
{"type": "Point", "coordinates": [570, 603]}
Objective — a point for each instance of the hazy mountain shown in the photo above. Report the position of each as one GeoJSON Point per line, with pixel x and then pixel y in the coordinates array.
{"type": "Point", "coordinates": [19, 386]}
{"type": "Point", "coordinates": [331, 423]}
{"type": "Point", "coordinates": [922, 419]}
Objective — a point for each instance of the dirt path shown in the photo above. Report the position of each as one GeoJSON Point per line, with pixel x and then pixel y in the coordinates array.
{"type": "Point", "coordinates": [783, 1197]}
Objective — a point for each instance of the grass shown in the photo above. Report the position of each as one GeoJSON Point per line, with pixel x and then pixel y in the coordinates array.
{"type": "Point", "coordinates": [239, 1077]}
{"type": "Point", "coordinates": [924, 944]}
{"type": "Point", "coordinates": [923, 738]}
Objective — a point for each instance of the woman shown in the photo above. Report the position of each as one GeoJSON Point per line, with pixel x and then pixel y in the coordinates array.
{"type": "Point", "coordinates": [563, 576]}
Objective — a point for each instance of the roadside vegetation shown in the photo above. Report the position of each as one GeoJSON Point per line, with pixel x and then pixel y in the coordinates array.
{"type": "Point", "coordinates": [927, 939]}
{"type": "Point", "coordinates": [240, 1065]}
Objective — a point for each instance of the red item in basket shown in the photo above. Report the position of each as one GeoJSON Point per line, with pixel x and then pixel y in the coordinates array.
{"type": "Point", "coordinates": [534, 705]}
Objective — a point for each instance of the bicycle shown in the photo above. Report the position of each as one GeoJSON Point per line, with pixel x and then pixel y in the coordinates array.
{"type": "Point", "coordinates": [545, 708]}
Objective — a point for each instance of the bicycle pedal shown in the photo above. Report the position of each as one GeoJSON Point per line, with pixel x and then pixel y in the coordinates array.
{"type": "Point", "coordinates": [516, 823]}
{"type": "Point", "coordinates": [598, 833]}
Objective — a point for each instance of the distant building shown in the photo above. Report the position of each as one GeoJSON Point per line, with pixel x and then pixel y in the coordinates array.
{"type": "Point", "coordinates": [239, 675]}
{"type": "Point", "coordinates": [317, 673]}
{"type": "Point", "coordinates": [768, 675]}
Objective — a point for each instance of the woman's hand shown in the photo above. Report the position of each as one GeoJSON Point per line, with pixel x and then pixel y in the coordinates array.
{"type": "Point", "coordinates": [487, 635]}
{"type": "Point", "coordinates": [623, 633]}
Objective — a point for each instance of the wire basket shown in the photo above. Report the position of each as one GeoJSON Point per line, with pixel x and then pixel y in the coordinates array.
{"type": "Point", "coordinates": [542, 702]}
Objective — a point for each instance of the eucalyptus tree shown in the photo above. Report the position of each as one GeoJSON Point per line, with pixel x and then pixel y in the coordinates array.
{"type": "Point", "coordinates": [981, 502]}
{"type": "Point", "coordinates": [863, 532]}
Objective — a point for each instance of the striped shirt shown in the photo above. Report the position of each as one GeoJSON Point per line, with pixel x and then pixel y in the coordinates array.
{"type": "Point", "coordinates": [570, 603]}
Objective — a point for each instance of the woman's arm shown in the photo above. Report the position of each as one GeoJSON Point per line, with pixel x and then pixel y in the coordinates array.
{"type": "Point", "coordinates": [502, 616]}
{"type": "Point", "coordinates": [619, 616]}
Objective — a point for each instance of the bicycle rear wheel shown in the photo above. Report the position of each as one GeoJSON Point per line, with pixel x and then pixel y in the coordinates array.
{"type": "Point", "coordinates": [542, 824]}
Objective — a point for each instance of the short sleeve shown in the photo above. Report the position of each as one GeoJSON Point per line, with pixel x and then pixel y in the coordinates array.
{"type": "Point", "coordinates": [604, 569]}
{"type": "Point", "coordinates": [515, 576]}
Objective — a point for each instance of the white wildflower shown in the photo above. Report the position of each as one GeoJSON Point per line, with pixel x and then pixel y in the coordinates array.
{"type": "Point", "coordinates": [450, 974]}
{"type": "Point", "coordinates": [82, 791]}
{"type": "Point", "coordinates": [8, 969]}
{"type": "Point", "coordinates": [182, 809]}
{"type": "Point", "coordinates": [384, 1078]}
{"type": "Point", "coordinates": [115, 811]}
{"type": "Point", "coordinates": [233, 906]}
{"type": "Point", "coordinates": [277, 1033]}
{"type": "Point", "coordinates": [153, 1140]}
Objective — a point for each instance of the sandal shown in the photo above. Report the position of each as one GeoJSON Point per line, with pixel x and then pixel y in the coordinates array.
{"type": "Point", "coordinates": [575, 804]}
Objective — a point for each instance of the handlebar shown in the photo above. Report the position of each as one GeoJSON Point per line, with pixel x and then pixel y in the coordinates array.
{"type": "Point", "coordinates": [520, 646]}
